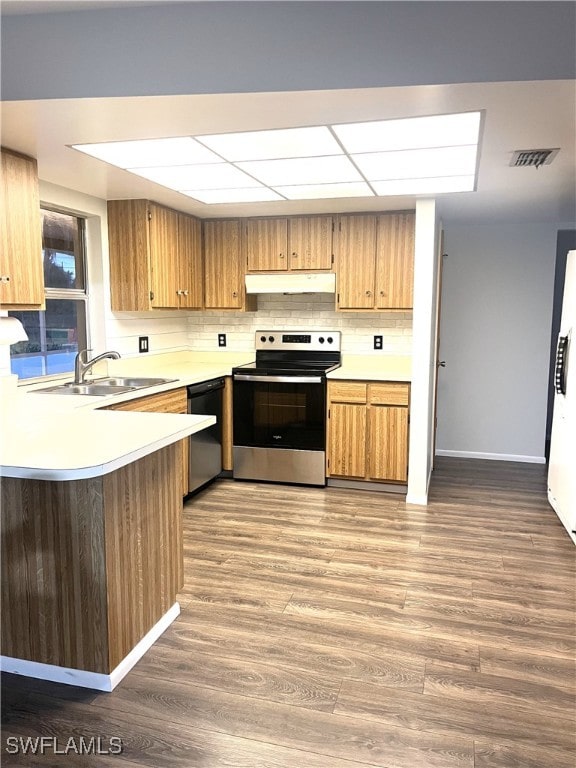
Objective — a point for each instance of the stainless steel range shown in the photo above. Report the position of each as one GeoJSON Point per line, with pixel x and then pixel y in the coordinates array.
{"type": "Point", "coordinates": [280, 407]}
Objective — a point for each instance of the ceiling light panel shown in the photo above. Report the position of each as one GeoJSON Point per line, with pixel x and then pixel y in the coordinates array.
{"type": "Point", "coordinates": [424, 186]}
{"type": "Point", "coordinates": [268, 145]}
{"type": "Point", "coordinates": [323, 191]}
{"type": "Point", "coordinates": [417, 163]}
{"type": "Point", "coordinates": [250, 195]}
{"type": "Point", "coordinates": [150, 152]}
{"type": "Point", "coordinates": [211, 176]}
{"type": "Point", "coordinates": [410, 133]}
{"type": "Point", "coordinates": [309, 170]}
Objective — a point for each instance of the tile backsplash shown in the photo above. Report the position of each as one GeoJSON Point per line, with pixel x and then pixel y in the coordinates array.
{"type": "Point", "coordinates": [313, 311]}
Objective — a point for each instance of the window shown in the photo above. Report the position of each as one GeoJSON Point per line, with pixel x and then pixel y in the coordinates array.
{"type": "Point", "coordinates": [57, 333]}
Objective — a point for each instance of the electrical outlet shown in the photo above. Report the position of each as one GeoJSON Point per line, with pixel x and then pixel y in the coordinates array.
{"type": "Point", "coordinates": [221, 339]}
{"type": "Point", "coordinates": [377, 342]}
{"type": "Point", "coordinates": [142, 343]}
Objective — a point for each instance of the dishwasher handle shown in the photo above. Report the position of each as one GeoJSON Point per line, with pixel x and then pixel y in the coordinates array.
{"type": "Point", "coordinates": [204, 387]}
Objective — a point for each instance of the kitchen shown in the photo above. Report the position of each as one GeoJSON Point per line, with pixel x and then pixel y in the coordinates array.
{"type": "Point", "coordinates": [198, 329]}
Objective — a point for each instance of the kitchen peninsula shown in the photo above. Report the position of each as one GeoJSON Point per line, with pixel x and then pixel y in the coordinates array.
{"type": "Point", "coordinates": [91, 536]}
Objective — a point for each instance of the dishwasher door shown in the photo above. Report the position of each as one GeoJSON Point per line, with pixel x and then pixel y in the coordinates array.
{"type": "Point", "coordinates": [205, 399]}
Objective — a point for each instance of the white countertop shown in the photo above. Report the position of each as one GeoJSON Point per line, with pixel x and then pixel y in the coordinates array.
{"type": "Point", "coordinates": [374, 368]}
{"type": "Point", "coordinates": [66, 437]}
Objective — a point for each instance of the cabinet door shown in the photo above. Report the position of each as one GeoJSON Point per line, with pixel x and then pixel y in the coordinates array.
{"type": "Point", "coordinates": [356, 260]}
{"type": "Point", "coordinates": [164, 272]}
{"type": "Point", "coordinates": [347, 440]}
{"type": "Point", "coordinates": [222, 265]}
{"type": "Point", "coordinates": [266, 245]}
{"type": "Point", "coordinates": [128, 245]}
{"type": "Point", "coordinates": [172, 401]}
{"type": "Point", "coordinates": [395, 261]}
{"type": "Point", "coordinates": [310, 242]}
{"type": "Point", "coordinates": [388, 443]}
{"type": "Point", "coordinates": [190, 281]}
{"type": "Point", "coordinates": [21, 272]}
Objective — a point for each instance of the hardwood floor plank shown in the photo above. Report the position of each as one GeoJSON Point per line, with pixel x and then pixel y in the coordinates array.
{"type": "Point", "coordinates": [470, 719]}
{"type": "Point", "coordinates": [496, 690]}
{"type": "Point", "coordinates": [489, 755]}
{"type": "Point", "coordinates": [522, 665]}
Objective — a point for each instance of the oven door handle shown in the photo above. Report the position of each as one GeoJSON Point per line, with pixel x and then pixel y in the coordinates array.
{"type": "Point", "coordinates": [279, 379]}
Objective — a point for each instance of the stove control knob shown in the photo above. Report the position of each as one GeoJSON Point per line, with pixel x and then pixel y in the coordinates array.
{"type": "Point", "coordinates": [270, 338]}
{"type": "Point", "coordinates": [321, 339]}
{"type": "Point", "coordinates": [262, 338]}
{"type": "Point", "coordinates": [330, 339]}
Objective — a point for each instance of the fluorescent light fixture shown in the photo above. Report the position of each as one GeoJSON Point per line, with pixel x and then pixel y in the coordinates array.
{"type": "Point", "coordinates": [252, 195]}
{"type": "Point", "coordinates": [305, 170]}
{"type": "Point", "coordinates": [320, 191]}
{"type": "Point", "coordinates": [270, 145]}
{"type": "Point", "coordinates": [409, 156]}
{"type": "Point", "coordinates": [424, 186]}
{"type": "Point", "coordinates": [417, 163]}
{"type": "Point", "coordinates": [211, 176]}
{"type": "Point", "coordinates": [410, 133]}
{"type": "Point", "coordinates": [145, 153]}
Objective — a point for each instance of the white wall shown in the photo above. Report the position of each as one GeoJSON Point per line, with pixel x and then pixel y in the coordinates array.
{"type": "Point", "coordinates": [424, 352]}
{"type": "Point", "coordinates": [314, 311]}
{"type": "Point", "coordinates": [495, 337]}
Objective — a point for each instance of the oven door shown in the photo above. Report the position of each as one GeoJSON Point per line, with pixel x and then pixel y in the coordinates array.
{"type": "Point", "coordinates": [285, 412]}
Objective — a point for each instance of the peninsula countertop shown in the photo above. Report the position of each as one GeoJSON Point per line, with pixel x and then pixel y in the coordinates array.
{"type": "Point", "coordinates": [55, 437]}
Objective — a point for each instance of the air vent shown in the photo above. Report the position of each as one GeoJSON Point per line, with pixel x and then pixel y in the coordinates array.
{"type": "Point", "coordinates": [533, 157]}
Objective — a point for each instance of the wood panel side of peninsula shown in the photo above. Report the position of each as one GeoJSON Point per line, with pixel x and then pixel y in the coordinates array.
{"type": "Point", "coordinates": [90, 566]}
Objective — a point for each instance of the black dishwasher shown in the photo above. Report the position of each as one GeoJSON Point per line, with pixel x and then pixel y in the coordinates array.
{"type": "Point", "coordinates": [205, 399]}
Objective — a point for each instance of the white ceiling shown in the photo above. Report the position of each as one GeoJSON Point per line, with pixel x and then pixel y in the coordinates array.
{"type": "Point", "coordinates": [519, 115]}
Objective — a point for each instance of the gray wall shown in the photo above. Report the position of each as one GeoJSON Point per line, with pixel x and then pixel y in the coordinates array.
{"type": "Point", "coordinates": [227, 47]}
{"type": "Point", "coordinates": [497, 300]}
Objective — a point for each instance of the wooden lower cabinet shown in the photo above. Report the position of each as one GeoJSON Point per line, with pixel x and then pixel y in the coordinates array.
{"type": "Point", "coordinates": [173, 401]}
{"type": "Point", "coordinates": [89, 566]}
{"type": "Point", "coordinates": [368, 430]}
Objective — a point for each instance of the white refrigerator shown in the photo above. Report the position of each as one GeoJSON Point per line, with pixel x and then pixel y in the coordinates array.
{"type": "Point", "coordinates": [562, 463]}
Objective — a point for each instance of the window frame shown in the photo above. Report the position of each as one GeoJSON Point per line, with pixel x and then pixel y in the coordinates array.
{"type": "Point", "coordinates": [69, 294]}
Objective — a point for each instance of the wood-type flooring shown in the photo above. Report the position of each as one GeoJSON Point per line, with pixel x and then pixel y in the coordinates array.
{"type": "Point", "coordinates": [332, 628]}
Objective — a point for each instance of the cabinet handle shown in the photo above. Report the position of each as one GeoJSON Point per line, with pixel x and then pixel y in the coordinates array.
{"type": "Point", "coordinates": [235, 294]}
{"type": "Point", "coordinates": [382, 293]}
{"type": "Point", "coordinates": [178, 293]}
{"type": "Point", "coordinates": [295, 255]}
{"type": "Point", "coordinates": [185, 293]}
{"type": "Point", "coordinates": [281, 255]}
{"type": "Point", "coordinates": [5, 279]}
{"type": "Point", "coordinates": [368, 293]}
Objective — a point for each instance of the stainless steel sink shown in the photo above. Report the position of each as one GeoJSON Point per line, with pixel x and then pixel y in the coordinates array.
{"type": "Point", "coordinates": [102, 387]}
{"type": "Point", "coordinates": [82, 389]}
{"type": "Point", "coordinates": [134, 382]}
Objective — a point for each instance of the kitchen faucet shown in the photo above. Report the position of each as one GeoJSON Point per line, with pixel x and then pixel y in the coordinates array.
{"type": "Point", "coordinates": [82, 366]}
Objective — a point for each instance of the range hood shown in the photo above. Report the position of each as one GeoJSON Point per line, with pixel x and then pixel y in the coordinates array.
{"type": "Point", "coordinates": [293, 282]}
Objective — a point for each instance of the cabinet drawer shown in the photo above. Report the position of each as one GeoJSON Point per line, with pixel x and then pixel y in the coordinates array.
{"type": "Point", "coordinates": [347, 391]}
{"type": "Point", "coordinates": [173, 401]}
{"type": "Point", "coordinates": [389, 393]}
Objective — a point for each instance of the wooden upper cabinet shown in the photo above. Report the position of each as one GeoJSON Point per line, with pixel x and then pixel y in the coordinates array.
{"type": "Point", "coordinates": [283, 245]}
{"type": "Point", "coordinates": [155, 257]}
{"type": "Point", "coordinates": [395, 261]}
{"type": "Point", "coordinates": [356, 262]}
{"type": "Point", "coordinates": [223, 265]}
{"type": "Point", "coordinates": [310, 243]}
{"type": "Point", "coordinates": [266, 245]}
{"type": "Point", "coordinates": [164, 267]}
{"type": "Point", "coordinates": [21, 271]}
{"type": "Point", "coordinates": [191, 276]}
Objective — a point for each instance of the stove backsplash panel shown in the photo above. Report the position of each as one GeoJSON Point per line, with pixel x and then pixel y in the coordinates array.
{"type": "Point", "coordinates": [311, 311]}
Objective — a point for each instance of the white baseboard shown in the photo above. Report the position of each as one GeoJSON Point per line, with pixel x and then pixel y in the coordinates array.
{"type": "Point", "coordinates": [82, 678]}
{"type": "Point", "coordinates": [493, 456]}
